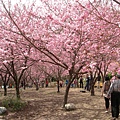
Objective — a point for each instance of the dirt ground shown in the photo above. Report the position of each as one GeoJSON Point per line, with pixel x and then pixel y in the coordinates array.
{"type": "Point", "coordinates": [46, 104]}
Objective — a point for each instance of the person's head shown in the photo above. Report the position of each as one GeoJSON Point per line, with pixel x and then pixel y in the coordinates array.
{"type": "Point", "coordinates": [107, 78]}
{"type": "Point", "coordinates": [118, 76]}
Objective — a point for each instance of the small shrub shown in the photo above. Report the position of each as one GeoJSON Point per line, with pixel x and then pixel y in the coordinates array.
{"type": "Point", "coordinates": [109, 75]}
{"type": "Point", "coordinates": [13, 104]}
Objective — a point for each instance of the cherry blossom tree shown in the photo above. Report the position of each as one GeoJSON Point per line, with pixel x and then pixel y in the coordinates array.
{"type": "Point", "coordinates": [13, 61]}
{"type": "Point", "coordinates": [51, 29]}
{"type": "Point", "coordinates": [53, 71]}
{"type": "Point", "coordinates": [68, 35]}
{"type": "Point", "coordinates": [13, 69]}
{"type": "Point", "coordinates": [104, 50]}
{"type": "Point", "coordinates": [5, 77]}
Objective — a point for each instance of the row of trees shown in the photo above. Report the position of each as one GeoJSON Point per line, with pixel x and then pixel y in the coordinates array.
{"type": "Point", "coordinates": [61, 38]}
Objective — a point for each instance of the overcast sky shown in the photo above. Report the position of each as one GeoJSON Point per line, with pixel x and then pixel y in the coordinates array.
{"type": "Point", "coordinates": [29, 1]}
{"type": "Point", "coordinates": [52, 1]}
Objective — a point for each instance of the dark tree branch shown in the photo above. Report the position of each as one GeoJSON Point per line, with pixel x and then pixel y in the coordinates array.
{"type": "Point", "coordinates": [116, 2]}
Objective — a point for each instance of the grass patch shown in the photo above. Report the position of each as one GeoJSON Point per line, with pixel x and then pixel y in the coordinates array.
{"type": "Point", "coordinates": [13, 104]}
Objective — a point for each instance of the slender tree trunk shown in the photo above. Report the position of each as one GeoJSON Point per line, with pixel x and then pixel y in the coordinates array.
{"type": "Point", "coordinates": [5, 90]}
{"type": "Point", "coordinates": [58, 88]}
{"type": "Point", "coordinates": [77, 83]}
{"type": "Point", "coordinates": [66, 94]}
{"type": "Point", "coordinates": [92, 90]}
{"type": "Point", "coordinates": [37, 86]}
{"type": "Point", "coordinates": [92, 83]}
{"type": "Point", "coordinates": [24, 87]}
{"type": "Point", "coordinates": [17, 91]}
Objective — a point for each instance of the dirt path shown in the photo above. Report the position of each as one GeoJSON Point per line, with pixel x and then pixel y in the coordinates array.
{"type": "Point", "coordinates": [46, 104]}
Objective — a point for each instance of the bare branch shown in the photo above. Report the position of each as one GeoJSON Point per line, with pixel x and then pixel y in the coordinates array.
{"type": "Point", "coordinates": [116, 2]}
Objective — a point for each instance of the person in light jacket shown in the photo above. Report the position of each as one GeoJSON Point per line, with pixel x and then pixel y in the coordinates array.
{"type": "Point", "coordinates": [105, 89]}
{"type": "Point", "coordinates": [114, 94]}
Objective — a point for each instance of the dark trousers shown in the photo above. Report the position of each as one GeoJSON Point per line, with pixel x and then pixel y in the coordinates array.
{"type": "Point", "coordinates": [115, 102]}
{"type": "Point", "coordinates": [81, 84]}
{"type": "Point", "coordinates": [87, 86]}
{"type": "Point", "coordinates": [106, 102]}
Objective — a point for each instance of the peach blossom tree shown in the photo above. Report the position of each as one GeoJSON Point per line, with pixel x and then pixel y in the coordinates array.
{"type": "Point", "coordinates": [69, 35]}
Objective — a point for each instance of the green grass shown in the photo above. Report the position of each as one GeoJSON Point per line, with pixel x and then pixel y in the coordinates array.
{"type": "Point", "coordinates": [13, 104]}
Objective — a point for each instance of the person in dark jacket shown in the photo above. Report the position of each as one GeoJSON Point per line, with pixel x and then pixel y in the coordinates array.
{"type": "Point", "coordinates": [114, 94]}
{"type": "Point", "coordinates": [81, 82]}
{"type": "Point", "coordinates": [87, 86]}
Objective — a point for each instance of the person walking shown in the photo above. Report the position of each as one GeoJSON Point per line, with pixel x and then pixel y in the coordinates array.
{"type": "Point", "coordinates": [105, 88]}
{"type": "Point", "coordinates": [46, 81]}
{"type": "Point", "coordinates": [87, 87]}
{"type": "Point", "coordinates": [66, 82]}
{"type": "Point", "coordinates": [81, 82]}
{"type": "Point", "coordinates": [98, 81]}
{"type": "Point", "coordinates": [114, 94]}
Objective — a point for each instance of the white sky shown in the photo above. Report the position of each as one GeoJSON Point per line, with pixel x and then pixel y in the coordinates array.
{"type": "Point", "coordinates": [52, 1]}
{"type": "Point", "coordinates": [38, 1]}
{"type": "Point", "coordinates": [23, 1]}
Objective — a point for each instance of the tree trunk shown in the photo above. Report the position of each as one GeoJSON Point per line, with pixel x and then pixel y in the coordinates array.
{"type": "Point", "coordinates": [24, 84]}
{"type": "Point", "coordinates": [17, 91]}
{"type": "Point", "coordinates": [37, 86]}
{"type": "Point", "coordinates": [92, 90]}
{"type": "Point", "coordinates": [58, 86]}
{"type": "Point", "coordinates": [92, 83]}
{"type": "Point", "coordinates": [5, 90]}
{"type": "Point", "coordinates": [66, 94]}
{"type": "Point", "coordinates": [77, 83]}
